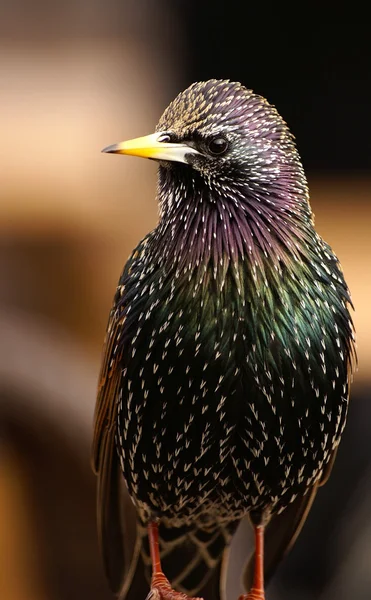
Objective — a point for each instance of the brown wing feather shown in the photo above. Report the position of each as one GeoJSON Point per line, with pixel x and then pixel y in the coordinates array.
{"type": "Point", "coordinates": [116, 514]}
{"type": "Point", "coordinates": [328, 468]}
{"type": "Point", "coordinates": [108, 385]}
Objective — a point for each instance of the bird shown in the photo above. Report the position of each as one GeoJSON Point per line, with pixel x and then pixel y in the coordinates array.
{"type": "Point", "coordinates": [228, 357]}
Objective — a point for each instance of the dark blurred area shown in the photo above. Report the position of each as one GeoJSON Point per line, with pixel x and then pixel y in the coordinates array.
{"type": "Point", "coordinates": [79, 75]}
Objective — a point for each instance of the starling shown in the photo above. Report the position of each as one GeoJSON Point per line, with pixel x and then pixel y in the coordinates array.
{"type": "Point", "coordinates": [229, 350]}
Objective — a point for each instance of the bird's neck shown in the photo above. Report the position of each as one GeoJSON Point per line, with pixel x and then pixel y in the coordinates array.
{"type": "Point", "coordinates": [206, 225]}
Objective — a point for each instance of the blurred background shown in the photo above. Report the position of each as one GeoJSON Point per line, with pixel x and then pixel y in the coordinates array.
{"type": "Point", "coordinates": [75, 77]}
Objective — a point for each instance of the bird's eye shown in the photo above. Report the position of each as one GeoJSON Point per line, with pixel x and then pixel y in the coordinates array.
{"type": "Point", "coordinates": [218, 146]}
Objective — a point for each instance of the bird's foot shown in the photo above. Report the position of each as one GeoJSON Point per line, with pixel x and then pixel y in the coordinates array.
{"type": "Point", "coordinates": [254, 594]}
{"type": "Point", "coordinates": [162, 590]}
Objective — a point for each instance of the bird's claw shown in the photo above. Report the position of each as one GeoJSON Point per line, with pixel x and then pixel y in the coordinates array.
{"type": "Point", "coordinates": [153, 594]}
{"type": "Point", "coordinates": [254, 594]}
{"type": "Point", "coordinates": [166, 592]}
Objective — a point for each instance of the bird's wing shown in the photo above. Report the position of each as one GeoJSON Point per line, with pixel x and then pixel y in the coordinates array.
{"type": "Point", "coordinates": [283, 529]}
{"type": "Point", "coordinates": [116, 514]}
{"type": "Point", "coordinates": [328, 468]}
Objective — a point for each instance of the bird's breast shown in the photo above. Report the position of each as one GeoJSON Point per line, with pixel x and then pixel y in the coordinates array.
{"type": "Point", "coordinates": [216, 407]}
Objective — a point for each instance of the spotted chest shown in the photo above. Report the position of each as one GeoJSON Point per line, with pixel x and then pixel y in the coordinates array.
{"type": "Point", "coordinates": [223, 406]}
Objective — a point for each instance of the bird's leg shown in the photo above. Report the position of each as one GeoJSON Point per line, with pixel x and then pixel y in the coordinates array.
{"type": "Point", "coordinates": [160, 585]}
{"type": "Point", "coordinates": [257, 590]}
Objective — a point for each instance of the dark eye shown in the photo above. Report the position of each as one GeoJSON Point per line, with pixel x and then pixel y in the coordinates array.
{"type": "Point", "coordinates": [218, 146]}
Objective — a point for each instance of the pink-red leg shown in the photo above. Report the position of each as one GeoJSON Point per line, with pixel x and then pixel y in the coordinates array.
{"type": "Point", "coordinates": [160, 585]}
{"type": "Point", "coordinates": [257, 590]}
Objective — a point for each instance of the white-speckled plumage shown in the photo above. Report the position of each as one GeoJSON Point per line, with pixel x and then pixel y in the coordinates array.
{"type": "Point", "coordinates": [230, 329]}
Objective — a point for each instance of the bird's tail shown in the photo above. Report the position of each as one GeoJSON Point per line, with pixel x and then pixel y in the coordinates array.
{"type": "Point", "coordinates": [193, 559]}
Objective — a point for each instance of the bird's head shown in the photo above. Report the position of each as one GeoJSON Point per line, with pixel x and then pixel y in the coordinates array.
{"type": "Point", "coordinates": [221, 146]}
{"type": "Point", "coordinates": [225, 132]}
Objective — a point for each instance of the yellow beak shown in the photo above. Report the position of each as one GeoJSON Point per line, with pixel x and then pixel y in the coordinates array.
{"type": "Point", "coordinates": [150, 146]}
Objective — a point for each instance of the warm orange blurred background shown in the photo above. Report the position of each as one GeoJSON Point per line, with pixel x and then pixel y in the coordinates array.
{"type": "Point", "coordinates": [75, 78]}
